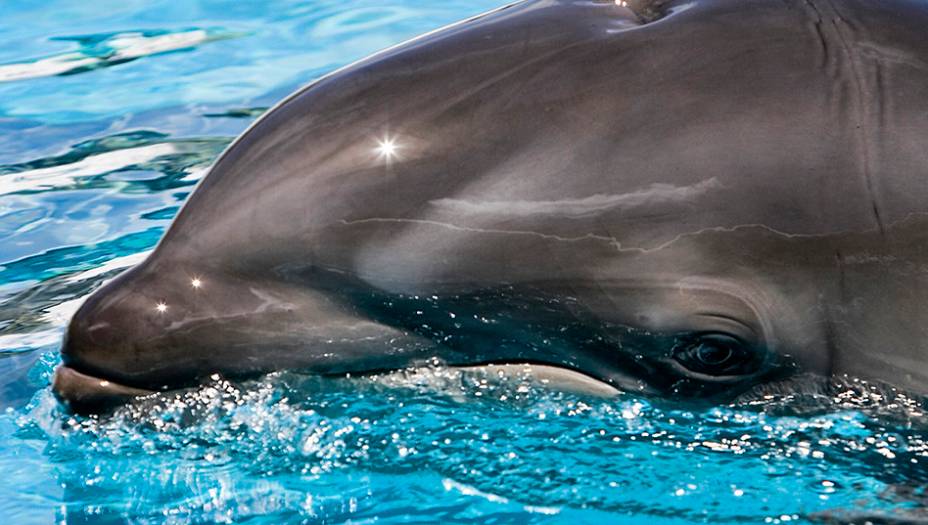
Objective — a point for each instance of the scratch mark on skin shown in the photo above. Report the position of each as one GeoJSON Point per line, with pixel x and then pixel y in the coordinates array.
{"type": "Point", "coordinates": [631, 249]}
{"type": "Point", "coordinates": [823, 42]}
{"type": "Point", "coordinates": [581, 207]}
{"type": "Point", "coordinates": [548, 236]}
{"type": "Point", "coordinates": [843, 66]}
{"type": "Point", "coordinates": [890, 55]}
{"type": "Point", "coordinates": [862, 127]}
{"type": "Point", "coordinates": [589, 236]}
{"type": "Point", "coordinates": [831, 330]}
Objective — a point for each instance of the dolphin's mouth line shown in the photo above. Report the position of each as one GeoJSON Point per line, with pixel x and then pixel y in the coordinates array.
{"type": "Point", "coordinates": [82, 391]}
{"type": "Point", "coordinates": [549, 374]}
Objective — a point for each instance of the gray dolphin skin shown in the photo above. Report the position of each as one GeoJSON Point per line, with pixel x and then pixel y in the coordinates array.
{"type": "Point", "coordinates": [684, 199]}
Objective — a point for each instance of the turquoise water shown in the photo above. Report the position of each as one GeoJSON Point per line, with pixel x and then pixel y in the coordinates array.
{"type": "Point", "coordinates": [110, 111]}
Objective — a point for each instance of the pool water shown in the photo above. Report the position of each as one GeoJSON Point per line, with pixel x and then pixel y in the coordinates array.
{"type": "Point", "coordinates": [111, 111]}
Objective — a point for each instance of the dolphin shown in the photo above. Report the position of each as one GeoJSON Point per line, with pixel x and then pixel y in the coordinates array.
{"type": "Point", "coordinates": [684, 198]}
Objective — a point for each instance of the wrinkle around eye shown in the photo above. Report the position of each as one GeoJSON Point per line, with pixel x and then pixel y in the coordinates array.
{"type": "Point", "coordinates": [724, 323]}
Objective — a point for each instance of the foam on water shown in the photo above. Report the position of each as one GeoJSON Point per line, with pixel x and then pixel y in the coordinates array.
{"type": "Point", "coordinates": [111, 110]}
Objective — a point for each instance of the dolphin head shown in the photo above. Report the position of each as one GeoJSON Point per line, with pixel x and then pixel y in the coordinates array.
{"type": "Point", "coordinates": [687, 200]}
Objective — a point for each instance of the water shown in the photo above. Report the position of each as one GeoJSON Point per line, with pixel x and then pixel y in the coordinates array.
{"type": "Point", "coordinates": [110, 111]}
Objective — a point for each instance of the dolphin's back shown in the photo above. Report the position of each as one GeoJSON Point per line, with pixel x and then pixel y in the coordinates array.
{"type": "Point", "coordinates": [814, 104]}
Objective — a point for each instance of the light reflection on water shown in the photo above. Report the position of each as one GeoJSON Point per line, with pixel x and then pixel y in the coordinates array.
{"type": "Point", "coordinates": [461, 445]}
{"type": "Point", "coordinates": [111, 111]}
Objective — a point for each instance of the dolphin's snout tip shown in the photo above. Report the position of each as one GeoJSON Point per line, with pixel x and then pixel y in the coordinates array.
{"type": "Point", "coordinates": [83, 393]}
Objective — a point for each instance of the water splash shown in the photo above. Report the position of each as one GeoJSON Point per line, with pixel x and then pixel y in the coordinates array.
{"type": "Point", "coordinates": [476, 441]}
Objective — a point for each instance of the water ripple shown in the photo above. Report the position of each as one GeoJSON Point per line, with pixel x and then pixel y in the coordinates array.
{"type": "Point", "coordinates": [105, 50]}
{"type": "Point", "coordinates": [488, 441]}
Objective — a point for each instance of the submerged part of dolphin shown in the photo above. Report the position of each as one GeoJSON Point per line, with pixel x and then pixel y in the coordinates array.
{"type": "Point", "coordinates": [678, 198]}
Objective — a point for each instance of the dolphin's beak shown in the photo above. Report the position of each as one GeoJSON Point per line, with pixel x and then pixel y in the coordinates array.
{"type": "Point", "coordinates": [87, 394]}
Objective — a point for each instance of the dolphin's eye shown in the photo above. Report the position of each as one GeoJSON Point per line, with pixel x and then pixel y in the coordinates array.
{"type": "Point", "coordinates": [715, 354]}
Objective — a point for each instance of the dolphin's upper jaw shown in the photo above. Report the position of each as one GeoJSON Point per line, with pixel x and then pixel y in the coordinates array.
{"type": "Point", "coordinates": [95, 374]}
{"type": "Point", "coordinates": [84, 393]}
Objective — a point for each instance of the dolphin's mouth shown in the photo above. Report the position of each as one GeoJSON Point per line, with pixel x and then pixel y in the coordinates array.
{"type": "Point", "coordinates": [84, 393]}
{"type": "Point", "coordinates": [87, 394]}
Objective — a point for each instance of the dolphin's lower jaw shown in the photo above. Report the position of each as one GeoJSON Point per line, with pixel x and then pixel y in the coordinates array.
{"type": "Point", "coordinates": [84, 393]}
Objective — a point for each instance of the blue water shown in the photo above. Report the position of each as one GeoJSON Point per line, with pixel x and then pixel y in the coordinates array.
{"type": "Point", "coordinates": [110, 111]}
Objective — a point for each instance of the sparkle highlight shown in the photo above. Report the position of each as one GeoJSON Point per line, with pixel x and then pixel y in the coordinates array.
{"type": "Point", "coordinates": [387, 148]}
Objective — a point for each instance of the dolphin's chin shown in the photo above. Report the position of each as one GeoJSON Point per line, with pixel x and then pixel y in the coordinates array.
{"type": "Point", "coordinates": [84, 393]}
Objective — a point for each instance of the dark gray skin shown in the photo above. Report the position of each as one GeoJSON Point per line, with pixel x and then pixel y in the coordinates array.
{"type": "Point", "coordinates": [680, 199]}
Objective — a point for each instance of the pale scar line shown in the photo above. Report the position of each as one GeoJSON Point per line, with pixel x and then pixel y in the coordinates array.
{"type": "Point", "coordinates": [592, 236]}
